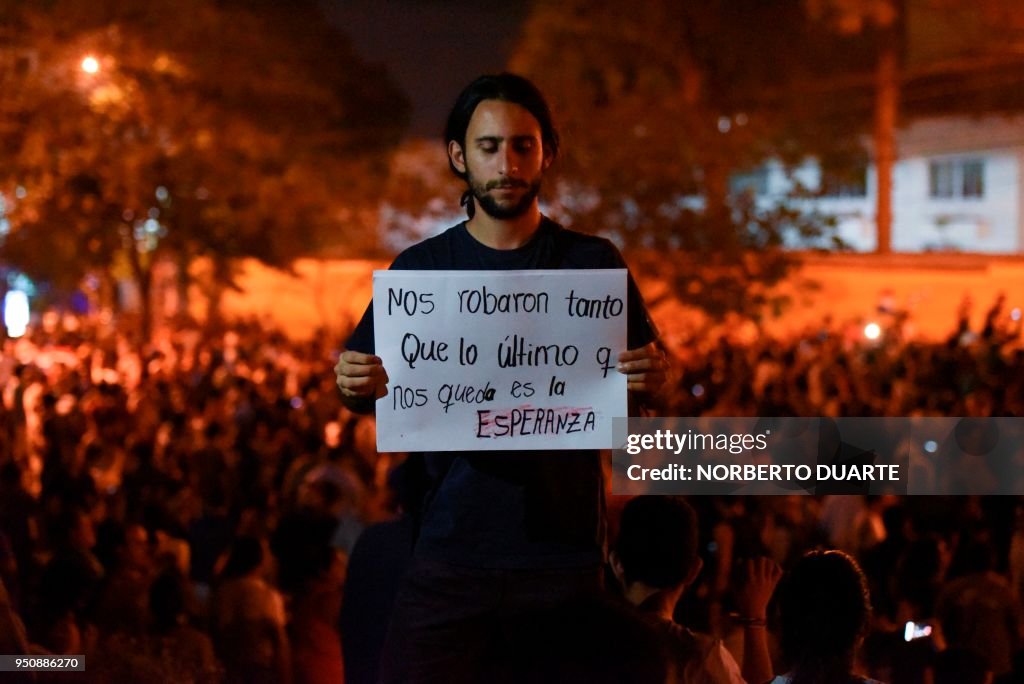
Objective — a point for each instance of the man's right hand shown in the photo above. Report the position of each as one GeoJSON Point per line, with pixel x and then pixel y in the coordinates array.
{"type": "Point", "coordinates": [361, 376]}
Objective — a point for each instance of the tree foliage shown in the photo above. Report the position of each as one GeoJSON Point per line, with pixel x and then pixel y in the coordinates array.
{"type": "Point", "coordinates": [662, 107]}
{"type": "Point", "coordinates": [421, 193]}
{"type": "Point", "coordinates": [210, 128]}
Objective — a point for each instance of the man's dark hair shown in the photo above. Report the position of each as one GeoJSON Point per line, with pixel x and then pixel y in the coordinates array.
{"type": "Point", "coordinates": [657, 542]}
{"type": "Point", "coordinates": [507, 88]}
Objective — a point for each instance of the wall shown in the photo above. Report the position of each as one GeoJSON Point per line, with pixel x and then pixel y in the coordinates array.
{"type": "Point", "coordinates": [334, 293]}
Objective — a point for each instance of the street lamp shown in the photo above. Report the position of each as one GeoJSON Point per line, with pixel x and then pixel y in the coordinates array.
{"type": "Point", "coordinates": [90, 64]}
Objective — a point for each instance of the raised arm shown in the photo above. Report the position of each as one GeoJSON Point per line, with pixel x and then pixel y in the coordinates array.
{"type": "Point", "coordinates": [761, 577]}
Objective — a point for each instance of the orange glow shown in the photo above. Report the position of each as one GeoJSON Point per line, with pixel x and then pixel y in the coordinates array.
{"type": "Point", "coordinates": [90, 64]}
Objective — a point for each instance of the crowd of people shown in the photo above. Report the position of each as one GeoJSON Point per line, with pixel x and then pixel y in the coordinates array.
{"type": "Point", "coordinates": [202, 508]}
{"type": "Point", "coordinates": [837, 370]}
{"type": "Point", "coordinates": [187, 507]}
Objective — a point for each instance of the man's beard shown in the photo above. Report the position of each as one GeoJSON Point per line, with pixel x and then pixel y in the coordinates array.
{"type": "Point", "coordinates": [493, 208]}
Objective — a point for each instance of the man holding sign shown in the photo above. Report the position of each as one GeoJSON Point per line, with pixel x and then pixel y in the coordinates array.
{"type": "Point", "coordinates": [501, 531]}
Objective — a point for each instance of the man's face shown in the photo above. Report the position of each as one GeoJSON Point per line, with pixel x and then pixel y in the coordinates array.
{"type": "Point", "coordinates": [503, 159]}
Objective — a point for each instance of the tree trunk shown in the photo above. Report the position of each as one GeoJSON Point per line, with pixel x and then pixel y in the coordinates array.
{"type": "Point", "coordinates": [143, 274]}
{"type": "Point", "coordinates": [219, 282]}
{"type": "Point", "coordinates": [183, 280]}
{"type": "Point", "coordinates": [109, 296]}
{"type": "Point", "coordinates": [886, 111]}
{"type": "Point", "coordinates": [717, 208]}
{"type": "Point", "coordinates": [146, 306]}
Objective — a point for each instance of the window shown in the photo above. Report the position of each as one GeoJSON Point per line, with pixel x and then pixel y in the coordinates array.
{"type": "Point", "coordinates": [753, 182]}
{"type": "Point", "coordinates": [952, 178]}
{"type": "Point", "coordinates": [940, 179]}
{"type": "Point", "coordinates": [973, 181]}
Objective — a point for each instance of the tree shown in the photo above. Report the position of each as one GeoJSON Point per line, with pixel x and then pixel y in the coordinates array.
{"type": "Point", "coordinates": [421, 193]}
{"type": "Point", "coordinates": [668, 104]}
{"type": "Point", "coordinates": [249, 130]}
{"type": "Point", "coordinates": [952, 30]}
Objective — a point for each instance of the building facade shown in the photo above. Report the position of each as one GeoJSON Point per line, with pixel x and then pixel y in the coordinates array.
{"type": "Point", "coordinates": [958, 185]}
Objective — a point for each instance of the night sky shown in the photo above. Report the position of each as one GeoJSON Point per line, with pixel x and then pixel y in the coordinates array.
{"type": "Point", "coordinates": [431, 49]}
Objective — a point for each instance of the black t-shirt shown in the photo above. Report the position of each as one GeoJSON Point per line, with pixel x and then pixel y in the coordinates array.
{"type": "Point", "coordinates": [514, 509]}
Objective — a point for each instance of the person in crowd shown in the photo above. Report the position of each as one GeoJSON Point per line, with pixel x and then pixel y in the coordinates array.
{"type": "Point", "coordinates": [376, 567]}
{"type": "Point", "coordinates": [655, 559]}
{"type": "Point", "coordinates": [311, 571]}
{"type": "Point", "coordinates": [248, 617]}
{"type": "Point", "coordinates": [174, 638]}
{"type": "Point", "coordinates": [123, 600]}
{"type": "Point", "coordinates": [824, 613]}
{"type": "Point", "coordinates": [960, 666]}
{"type": "Point", "coordinates": [13, 635]}
{"type": "Point", "coordinates": [590, 639]}
{"type": "Point", "coordinates": [978, 610]}
{"type": "Point", "coordinates": [69, 583]}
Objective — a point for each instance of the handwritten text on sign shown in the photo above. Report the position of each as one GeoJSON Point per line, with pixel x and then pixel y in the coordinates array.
{"type": "Point", "coordinates": [488, 360]}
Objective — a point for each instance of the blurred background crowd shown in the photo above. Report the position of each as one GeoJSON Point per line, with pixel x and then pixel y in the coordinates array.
{"type": "Point", "coordinates": [202, 508]}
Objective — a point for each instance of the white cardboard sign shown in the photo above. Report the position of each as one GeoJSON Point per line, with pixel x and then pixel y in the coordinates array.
{"type": "Point", "coordinates": [496, 360]}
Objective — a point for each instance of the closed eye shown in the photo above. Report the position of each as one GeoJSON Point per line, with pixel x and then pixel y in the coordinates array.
{"type": "Point", "coordinates": [488, 145]}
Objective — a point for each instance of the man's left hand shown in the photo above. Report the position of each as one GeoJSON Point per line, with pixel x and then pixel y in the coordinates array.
{"type": "Point", "coordinates": [645, 368]}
